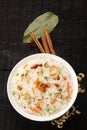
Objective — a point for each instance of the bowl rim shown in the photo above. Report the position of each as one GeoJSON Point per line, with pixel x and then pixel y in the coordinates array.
{"type": "Point", "coordinates": [40, 118]}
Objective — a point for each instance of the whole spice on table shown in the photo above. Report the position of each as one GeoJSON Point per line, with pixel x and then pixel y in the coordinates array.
{"type": "Point", "coordinates": [74, 110]}
{"type": "Point", "coordinates": [47, 20]}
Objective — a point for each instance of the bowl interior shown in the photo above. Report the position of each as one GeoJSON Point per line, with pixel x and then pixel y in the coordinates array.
{"type": "Point", "coordinates": [38, 118]}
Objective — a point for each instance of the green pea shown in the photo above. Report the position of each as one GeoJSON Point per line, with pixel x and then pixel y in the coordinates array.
{"type": "Point", "coordinates": [14, 93]}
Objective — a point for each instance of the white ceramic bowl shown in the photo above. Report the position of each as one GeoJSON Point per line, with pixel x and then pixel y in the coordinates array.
{"type": "Point", "coordinates": [33, 117]}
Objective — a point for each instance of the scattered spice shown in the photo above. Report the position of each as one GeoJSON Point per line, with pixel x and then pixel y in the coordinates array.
{"type": "Point", "coordinates": [60, 121]}
{"type": "Point", "coordinates": [80, 77]}
{"type": "Point", "coordinates": [74, 109]}
{"type": "Point", "coordinates": [58, 77]}
{"type": "Point", "coordinates": [56, 84]}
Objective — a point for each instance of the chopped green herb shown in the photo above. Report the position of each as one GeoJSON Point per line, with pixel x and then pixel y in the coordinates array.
{"type": "Point", "coordinates": [45, 77]}
{"type": "Point", "coordinates": [62, 97]}
{"type": "Point", "coordinates": [17, 74]}
{"type": "Point", "coordinates": [47, 109]}
{"type": "Point", "coordinates": [59, 71]}
{"type": "Point", "coordinates": [28, 81]}
{"type": "Point", "coordinates": [50, 94]}
{"type": "Point", "coordinates": [22, 75]}
{"type": "Point", "coordinates": [14, 93]}
{"type": "Point", "coordinates": [59, 89]}
{"type": "Point", "coordinates": [29, 102]}
{"type": "Point", "coordinates": [54, 107]}
{"type": "Point", "coordinates": [41, 70]}
{"type": "Point", "coordinates": [54, 78]}
{"type": "Point", "coordinates": [39, 99]}
{"type": "Point", "coordinates": [27, 71]}
{"type": "Point", "coordinates": [25, 98]}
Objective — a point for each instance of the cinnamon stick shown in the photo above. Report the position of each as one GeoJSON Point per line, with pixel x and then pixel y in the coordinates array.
{"type": "Point", "coordinates": [45, 44]}
{"type": "Point", "coordinates": [32, 34]}
{"type": "Point", "coordinates": [49, 41]}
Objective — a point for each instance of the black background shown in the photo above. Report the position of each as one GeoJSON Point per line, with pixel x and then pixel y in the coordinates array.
{"type": "Point", "coordinates": [70, 42]}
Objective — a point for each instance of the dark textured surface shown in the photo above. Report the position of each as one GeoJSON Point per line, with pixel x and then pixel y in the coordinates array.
{"type": "Point", "coordinates": [70, 42]}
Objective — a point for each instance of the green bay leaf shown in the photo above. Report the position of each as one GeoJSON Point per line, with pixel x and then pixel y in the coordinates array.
{"type": "Point", "coordinates": [47, 20]}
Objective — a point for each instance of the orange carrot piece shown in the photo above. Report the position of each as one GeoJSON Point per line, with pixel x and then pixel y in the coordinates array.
{"type": "Point", "coordinates": [25, 66]}
{"type": "Point", "coordinates": [39, 102]}
{"type": "Point", "coordinates": [68, 96]}
{"type": "Point", "coordinates": [53, 74]}
{"type": "Point", "coordinates": [33, 90]}
{"type": "Point", "coordinates": [54, 66]}
{"type": "Point", "coordinates": [68, 90]}
{"type": "Point", "coordinates": [68, 87]}
{"type": "Point", "coordinates": [48, 85]}
{"type": "Point", "coordinates": [24, 94]}
{"type": "Point", "coordinates": [36, 81]}
{"type": "Point", "coordinates": [64, 77]}
{"type": "Point", "coordinates": [39, 107]}
{"type": "Point", "coordinates": [53, 101]}
{"type": "Point", "coordinates": [34, 109]}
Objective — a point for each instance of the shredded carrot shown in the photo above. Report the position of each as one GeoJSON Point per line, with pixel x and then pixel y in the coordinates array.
{"type": "Point", "coordinates": [33, 90]}
{"type": "Point", "coordinates": [68, 87]}
{"type": "Point", "coordinates": [36, 81]}
{"type": "Point", "coordinates": [68, 90]}
{"type": "Point", "coordinates": [53, 101]}
{"type": "Point", "coordinates": [68, 96]}
{"type": "Point", "coordinates": [25, 66]}
{"type": "Point", "coordinates": [33, 109]}
{"type": "Point", "coordinates": [53, 74]}
{"type": "Point", "coordinates": [64, 77]}
{"type": "Point", "coordinates": [39, 102]}
{"type": "Point", "coordinates": [24, 94]}
{"type": "Point", "coordinates": [39, 107]}
{"type": "Point", "coordinates": [48, 85]}
{"type": "Point", "coordinates": [54, 66]}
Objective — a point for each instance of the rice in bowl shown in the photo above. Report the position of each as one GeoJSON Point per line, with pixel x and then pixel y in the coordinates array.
{"type": "Point", "coordinates": [42, 87]}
